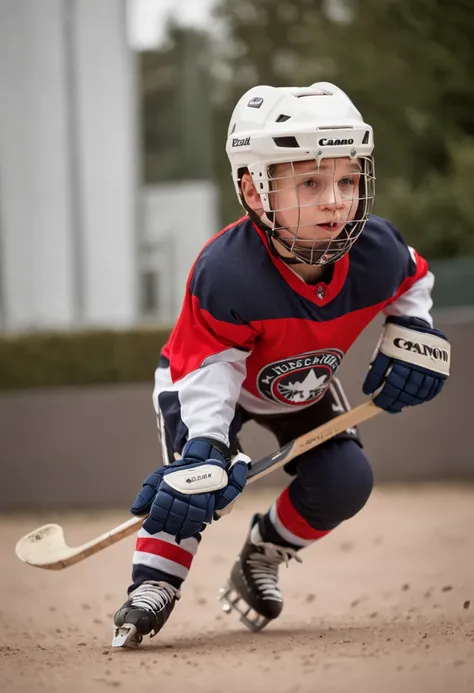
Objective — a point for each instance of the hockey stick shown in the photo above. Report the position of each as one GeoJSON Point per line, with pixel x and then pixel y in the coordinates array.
{"type": "Point", "coordinates": [46, 547]}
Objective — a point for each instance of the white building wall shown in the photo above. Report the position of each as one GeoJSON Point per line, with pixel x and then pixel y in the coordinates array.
{"type": "Point", "coordinates": [67, 165]}
{"type": "Point", "coordinates": [107, 134]}
{"type": "Point", "coordinates": [35, 193]}
{"type": "Point", "coordinates": [79, 247]}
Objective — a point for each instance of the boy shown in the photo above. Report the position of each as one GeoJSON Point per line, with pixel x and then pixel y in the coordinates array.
{"type": "Point", "coordinates": [272, 304]}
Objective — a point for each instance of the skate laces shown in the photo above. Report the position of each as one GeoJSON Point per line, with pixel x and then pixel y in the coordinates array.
{"type": "Point", "coordinates": [154, 596]}
{"type": "Point", "coordinates": [264, 563]}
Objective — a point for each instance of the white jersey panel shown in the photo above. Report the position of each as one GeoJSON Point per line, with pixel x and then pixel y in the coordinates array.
{"type": "Point", "coordinates": [207, 396]}
{"type": "Point", "coordinates": [416, 302]}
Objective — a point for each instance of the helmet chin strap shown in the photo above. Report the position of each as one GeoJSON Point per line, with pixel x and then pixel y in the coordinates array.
{"type": "Point", "coordinates": [287, 260]}
{"type": "Point", "coordinates": [270, 233]}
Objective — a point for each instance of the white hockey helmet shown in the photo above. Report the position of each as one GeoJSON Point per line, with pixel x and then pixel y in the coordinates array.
{"type": "Point", "coordinates": [271, 125]}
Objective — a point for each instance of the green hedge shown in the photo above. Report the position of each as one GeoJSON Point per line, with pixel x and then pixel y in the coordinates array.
{"type": "Point", "coordinates": [79, 358]}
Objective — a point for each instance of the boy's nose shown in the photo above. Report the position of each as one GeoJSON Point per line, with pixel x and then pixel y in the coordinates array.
{"type": "Point", "coordinates": [331, 199]}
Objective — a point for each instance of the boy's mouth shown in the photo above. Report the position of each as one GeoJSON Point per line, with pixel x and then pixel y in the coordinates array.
{"type": "Point", "coordinates": [331, 226]}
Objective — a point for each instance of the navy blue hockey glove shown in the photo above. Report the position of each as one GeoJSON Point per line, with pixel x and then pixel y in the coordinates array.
{"type": "Point", "coordinates": [409, 366]}
{"type": "Point", "coordinates": [181, 497]}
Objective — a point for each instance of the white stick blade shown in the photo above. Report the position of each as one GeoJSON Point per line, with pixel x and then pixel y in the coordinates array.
{"type": "Point", "coordinates": [44, 547]}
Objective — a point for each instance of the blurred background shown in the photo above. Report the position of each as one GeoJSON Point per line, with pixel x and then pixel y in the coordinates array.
{"type": "Point", "coordinates": [113, 173]}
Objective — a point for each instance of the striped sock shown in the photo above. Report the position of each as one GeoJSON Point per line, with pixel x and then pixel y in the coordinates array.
{"type": "Point", "coordinates": [283, 525]}
{"type": "Point", "coordinates": [160, 558]}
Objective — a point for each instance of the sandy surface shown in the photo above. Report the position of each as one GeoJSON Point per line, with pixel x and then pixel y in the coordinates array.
{"type": "Point", "coordinates": [386, 603]}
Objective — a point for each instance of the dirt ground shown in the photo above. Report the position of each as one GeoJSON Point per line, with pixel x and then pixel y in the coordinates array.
{"type": "Point", "coordinates": [385, 603]}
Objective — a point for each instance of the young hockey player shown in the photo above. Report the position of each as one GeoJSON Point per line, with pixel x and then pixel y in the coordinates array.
{"type": "Point", "coordinates": [272, 304]}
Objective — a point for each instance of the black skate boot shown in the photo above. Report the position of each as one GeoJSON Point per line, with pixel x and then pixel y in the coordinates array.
{"type": "Point", "coordinates": [146, 611]}
{"type": "Point", "coordinates": [253, 589]}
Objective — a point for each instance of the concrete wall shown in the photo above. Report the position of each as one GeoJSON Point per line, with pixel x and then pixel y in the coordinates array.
{"type": "Point", "coordinates": [92, 447]}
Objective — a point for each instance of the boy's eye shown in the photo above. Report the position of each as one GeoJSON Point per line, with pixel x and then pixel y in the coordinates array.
{"type": "Point", "coordinates": [349, 180]}
{"type": "Point", "coordinates": [346, 181]}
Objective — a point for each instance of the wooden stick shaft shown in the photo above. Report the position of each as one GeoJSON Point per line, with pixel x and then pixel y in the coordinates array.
{"type": "Point", "coordinates": [312, 439]}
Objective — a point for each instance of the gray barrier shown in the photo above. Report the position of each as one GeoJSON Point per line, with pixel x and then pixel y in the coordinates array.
{"type": "Point", "coordinates": [91, 447]}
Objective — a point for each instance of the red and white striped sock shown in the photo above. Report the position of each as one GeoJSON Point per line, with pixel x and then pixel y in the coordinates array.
{"type": "Point", "coordinates": [160, 558]}
{"type": "Point", "coordinates": [290, 525]}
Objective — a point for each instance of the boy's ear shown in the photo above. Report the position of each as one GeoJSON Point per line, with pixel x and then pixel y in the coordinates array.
{"type": "Point", "coordinates": [249, 192]}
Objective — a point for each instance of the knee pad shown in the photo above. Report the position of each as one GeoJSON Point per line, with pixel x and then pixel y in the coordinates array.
{"type": "Point", "coordinates": [333, 483]}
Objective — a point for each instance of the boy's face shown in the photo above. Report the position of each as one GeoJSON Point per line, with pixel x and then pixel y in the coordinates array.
{"type": "Point", "coordinates": [314, 203]}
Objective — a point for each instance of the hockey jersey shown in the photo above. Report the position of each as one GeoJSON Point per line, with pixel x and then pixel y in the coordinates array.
{"type": "Point", "coordinates": [252, 332]}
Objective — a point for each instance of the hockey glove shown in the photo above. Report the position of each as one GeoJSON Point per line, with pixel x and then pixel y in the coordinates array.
{"type": "Point", "coordinates": [409, 366]}
{"type": "Point", "coordinates": [182, 497]}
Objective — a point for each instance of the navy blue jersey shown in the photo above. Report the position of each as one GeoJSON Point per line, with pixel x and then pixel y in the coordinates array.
{"type": "Point", "coordinates": [251, 331]}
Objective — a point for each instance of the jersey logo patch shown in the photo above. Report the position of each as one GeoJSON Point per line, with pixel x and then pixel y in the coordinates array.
{"type": "Point", "coordinates": [301, 379]}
